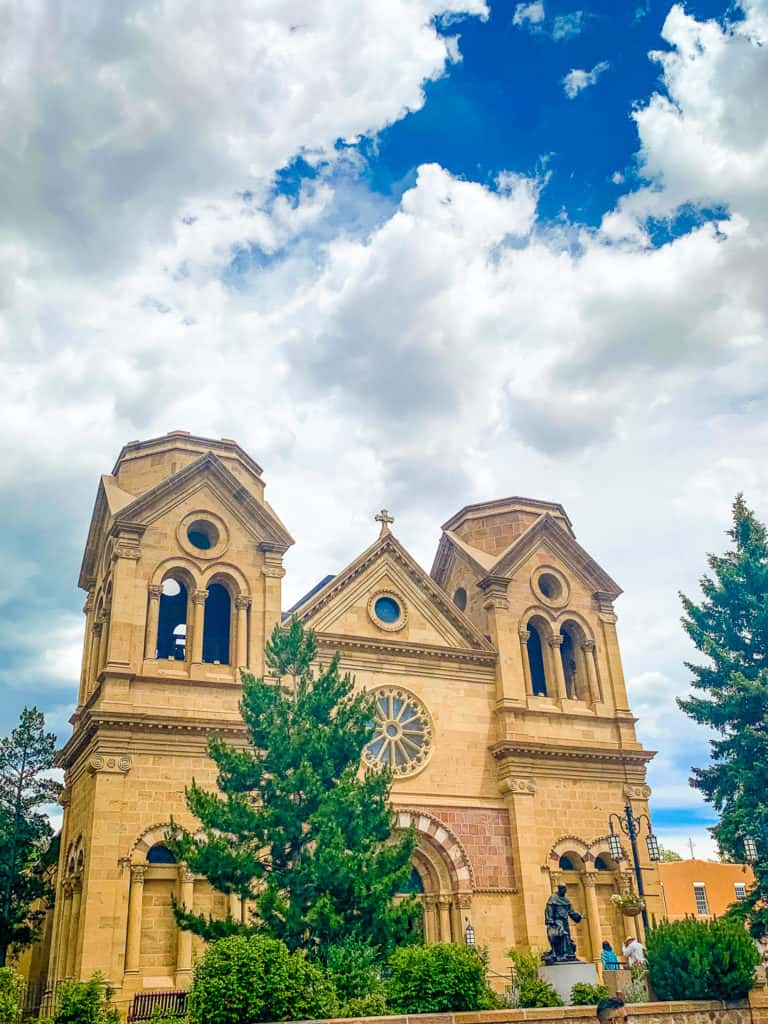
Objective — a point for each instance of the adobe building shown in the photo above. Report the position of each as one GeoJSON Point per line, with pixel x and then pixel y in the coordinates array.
{"type": "Point", "coordinates": [502, 709]}
{"type": "Point", "coordinates": [702, 888]}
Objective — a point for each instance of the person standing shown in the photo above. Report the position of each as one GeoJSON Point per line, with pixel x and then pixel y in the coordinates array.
{"type": "Point", "coordinates": [634, 951]}
{"type": "Point", "coordinates": [608, 957]}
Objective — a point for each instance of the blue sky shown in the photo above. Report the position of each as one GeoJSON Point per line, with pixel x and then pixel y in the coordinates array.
{"type": "Point", "coordinates": [410, 255]}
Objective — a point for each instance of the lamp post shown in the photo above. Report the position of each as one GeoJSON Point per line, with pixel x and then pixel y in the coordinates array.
{"type": "Point", "coordinates": [630, 824]}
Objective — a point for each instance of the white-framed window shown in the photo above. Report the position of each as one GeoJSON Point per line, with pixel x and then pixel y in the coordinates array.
{"type": "Point", "coordinates": [741, 890]}
{"type": "Point", "coordinates": [700, 895]}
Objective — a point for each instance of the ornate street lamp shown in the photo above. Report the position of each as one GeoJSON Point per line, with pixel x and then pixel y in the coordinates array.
{"type": "Point", "coordinates": [630, 824]}
{"type": "Point", "coordinates": [469, 933]}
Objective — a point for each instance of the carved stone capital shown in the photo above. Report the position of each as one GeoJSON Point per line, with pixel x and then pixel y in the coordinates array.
{"type": "Point", "coordinates": [524, 634]}
{"type": "Point", "coordinates": [517, 786]}
{"type": "Point", "coordinates": [464, 899]}
{"type": "Point", "coordinates": [588, 646]}
{"type": "Point", "coordinates": [98, 625]}
{"type": "Point", "coordinates": [495, 590]}
{"type": "Point", "coordinates": [242, 601]}
{"type": "Point", "coordinates": [155, 591]}
{"type": "Point", "coordinates": [87, 607]}
{"type": "Point", "coordinates": [555, 640]}
{"type": "Point", "coordinates": [641, 792]}
{"type": "Point", "coordinates": [66, 887]}
{"type": "Point", "coordinates": [137, 874]}
{"type": "Point", "coordinates": [126, 549]}
{"type": "Point", "coordinates": [604, 602]}
{"type": "Point", "coordinates": [430, 902]}
{"type": "Point", "coordinates": [120, 763]}
{"type": "Point", "coordinates": [590, 879]}
{"type": "Point", "coordinates": [272, 571]}
{"type": "Point", "coordinates": [185, 874]}
{"type": "Point", "coordinates": [77, 884]}
{"type": "Point", "coordinates": [444, 901]}
{"type": "Point", "coordinates": [199, 596]}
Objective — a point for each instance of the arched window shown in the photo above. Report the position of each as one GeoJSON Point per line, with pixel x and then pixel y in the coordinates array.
{"type": "Point", "coordinates": [536, 662]}
{"type": "Point", "coordinates": [414, 884]}
{"type": "Point", "coordinates": [574, 669]}
{"type": "Point", "coordinates": [601, 864]}
{"type": "Point", "coordinates": [218, 615]}
{"type": "Point", "coordinates": [460, 598]}
{"type": "Point", "coordinates": [160, 854]}
{"type": "Point", "coordinates": [172, 620]}
{"type": "Point", "coordinates": [566, 863]}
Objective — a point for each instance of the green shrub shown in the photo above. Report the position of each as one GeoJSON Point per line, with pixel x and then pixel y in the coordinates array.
{"type": "Point", "coordinates": [583, 994]}
{"type": "Point", "coordinates": [255, 978]}
{"type": "Point", "coordinates": [438, 978]}
{"type": "Point", "coordinates": [355, 970]}
{"type": "Point", "coordinates": [85, 1002]}
{"type": "Point", "coordinates": [528, 989]}
{"type": "Point", "coordinates": [11, 990]}
{"type": "Point", "coordinates": [692, 959]}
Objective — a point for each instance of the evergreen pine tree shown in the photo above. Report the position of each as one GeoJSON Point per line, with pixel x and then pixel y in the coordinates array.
{"type": "Point", "coordinates": [297, 828]}
{"type": "Point", "coordinates": [25, 831]}
{"type": "Point", "coordinates": [730, 627]}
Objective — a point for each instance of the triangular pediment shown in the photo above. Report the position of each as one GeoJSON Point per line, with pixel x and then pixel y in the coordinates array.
{"type": "Point", "coordinates": [208, 473]}
{"type": "Point", "coordinates": [342, 606]}
{"type": "Point", "coordinates": [547, 533]}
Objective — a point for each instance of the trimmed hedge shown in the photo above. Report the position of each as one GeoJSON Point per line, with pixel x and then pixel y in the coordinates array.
{"type": "Point", "coordinates": [437, 978]}
{"type": "Point", "coordinates": [693, 959]}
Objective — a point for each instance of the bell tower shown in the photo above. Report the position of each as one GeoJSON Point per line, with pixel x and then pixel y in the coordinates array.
{"type": "Point", "coordinates": [182, 571]}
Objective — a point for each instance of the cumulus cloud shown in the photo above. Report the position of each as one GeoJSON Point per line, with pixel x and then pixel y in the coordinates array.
{"type": "Point", "coordinates": [529, 15]}
{"type": "Point", "coordinates": [577, 79]}
{"type": "Point", "coordinates": [440, 348]}
{"type": "Point", "coordinates": [566, 26]}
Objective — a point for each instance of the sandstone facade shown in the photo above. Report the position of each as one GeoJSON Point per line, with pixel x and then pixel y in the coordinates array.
{"type": "Point", "coordinates": [502, 708]}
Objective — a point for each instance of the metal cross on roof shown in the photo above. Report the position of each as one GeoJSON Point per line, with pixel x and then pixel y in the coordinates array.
{"type": "Point", "coordinates": [385, 519]}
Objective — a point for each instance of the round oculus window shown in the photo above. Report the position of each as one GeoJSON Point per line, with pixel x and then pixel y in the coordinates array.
{"type": "Point", "coordinates": [387, 610]}
{"type": "Point", "coordinates": [402, 740]}
{"type": "Point", "coordinates": [202, 535]}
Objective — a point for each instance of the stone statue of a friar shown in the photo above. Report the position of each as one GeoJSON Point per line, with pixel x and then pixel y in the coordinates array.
{"type": "Point", "coordinates": [557, 913]}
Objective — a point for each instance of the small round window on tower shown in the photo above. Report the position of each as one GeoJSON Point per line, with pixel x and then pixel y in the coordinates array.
{"type": "Point", "coordinates": [202, 535]}
{"type": "Point", "coordinates": [550, 586]}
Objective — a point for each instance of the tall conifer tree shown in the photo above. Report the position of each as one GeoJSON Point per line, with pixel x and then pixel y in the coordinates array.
{"type": "Point", "coordinates": [730, 627]}
{"type": "Point", "coordinates": [25, 831]}
{"type": "Point", "coordinates": [296, 828]}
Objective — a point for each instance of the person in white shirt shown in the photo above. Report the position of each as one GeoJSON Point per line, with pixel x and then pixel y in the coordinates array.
{"type": "Point", "coordinates": [634, 951]}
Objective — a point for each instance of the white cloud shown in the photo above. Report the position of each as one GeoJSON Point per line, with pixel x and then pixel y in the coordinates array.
{"type": "Point", "coordinates": [420, 354]}
{"type": "Point", "coordinates": [566, 26]}
{"type": "Point", "coordinates": [577, 79]}
{"type": "Point", "coordinates": [529, 14]}
{"type": "Point", "coordinates": [680, 840]}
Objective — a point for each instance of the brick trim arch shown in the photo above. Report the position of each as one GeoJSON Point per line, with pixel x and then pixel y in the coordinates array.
{"type": "Point", "coordinates": [445, 842]}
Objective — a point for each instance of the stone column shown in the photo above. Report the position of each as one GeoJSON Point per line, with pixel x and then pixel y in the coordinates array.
{"type": "Point", "coordinates": [593, 914]}
{"type": "Point", "coordinates": [556, 662]}
{"type": "Point", "coordinates": [510, 678]}
{"type": "Point", "coordinates": [198, 604]}
{"type": "Point", "coordinates": [88, 612]}
{"type": "Point", "coordinates": [135, 907]}
{"type": "Point", "coordinates": [525, 636]}
{"type": "Point", "coordinates": [126, 613]}
{"type": "Point", "coordinates": [430, 919]}
{"type": "Point", "coordinates": [184, 937]}
{"type": "Point", "coordinates": [273, 573]}
{"type": "Point", "coordinates": [153, 619]}
{"type": "Point", "coordinates": [235, 907]}
{"type": "Point", "coordinates": [444, 907]}
{"type": "Point", "coordinates": [613, 656]}
{"type": "Point", "coordinates": [74, 927]}
{"type": "Point", "coordinates": [66, 917]}
{"type": "Point", "coordinates": [588, 649]}
{"type": "Point", "coordinates": [98, 646]}
{"type": "Point", "coordinates": [242, 604]}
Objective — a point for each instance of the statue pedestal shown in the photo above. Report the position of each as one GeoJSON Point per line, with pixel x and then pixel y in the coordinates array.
{"type": "Point", "coordinates": [562, 977]}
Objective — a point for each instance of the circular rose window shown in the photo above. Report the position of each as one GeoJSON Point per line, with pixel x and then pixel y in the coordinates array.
{"type": "Point", "coordinates": [403, 737]}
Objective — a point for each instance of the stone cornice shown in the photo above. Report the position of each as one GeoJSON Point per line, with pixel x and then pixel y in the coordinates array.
{"type": "Point", "coordinates": [405, 648]}
{"type": "Point", "coordinates": [537, 750]}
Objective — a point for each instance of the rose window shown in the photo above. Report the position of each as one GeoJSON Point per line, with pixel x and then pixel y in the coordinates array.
{"type": "Point", "coordinates": [403, 737]}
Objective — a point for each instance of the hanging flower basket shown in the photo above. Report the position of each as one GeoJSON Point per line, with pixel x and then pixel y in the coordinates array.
{"type": "Point", "coordinates": [628, 903]}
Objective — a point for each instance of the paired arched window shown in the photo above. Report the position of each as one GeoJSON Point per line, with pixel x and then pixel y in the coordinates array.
{"type": "Point", "coordinates": [574, 665]}
{"type": "Point", "coordinates": [217, 625]}
{"type": "Point", "coordinates": [172, 621]}
{"type": "Point", "coordinates": [160, 854]}
{"type": "Point", "coordinates": [536, 662]}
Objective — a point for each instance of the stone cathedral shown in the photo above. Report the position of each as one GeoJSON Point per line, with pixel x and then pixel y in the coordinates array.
{"type": "Point", "coordinates": [501, 709]}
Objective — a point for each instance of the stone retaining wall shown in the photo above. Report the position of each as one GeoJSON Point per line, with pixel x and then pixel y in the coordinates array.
{"type": "Point", "coordinates": [754, 1012]}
